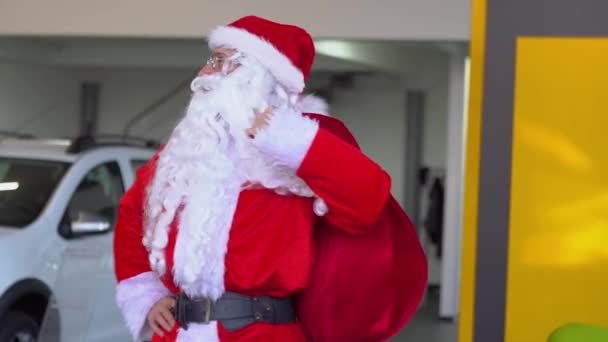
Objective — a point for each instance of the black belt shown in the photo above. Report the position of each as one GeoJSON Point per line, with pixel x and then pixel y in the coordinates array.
{"type": "Point", "coordinates": [234, 311]}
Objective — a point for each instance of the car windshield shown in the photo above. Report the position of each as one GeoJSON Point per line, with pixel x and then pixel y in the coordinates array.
{"type": "Point", "coordinates": [25, 187]}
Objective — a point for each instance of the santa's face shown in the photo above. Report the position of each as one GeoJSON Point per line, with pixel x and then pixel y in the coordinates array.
{"type": "Point", "coordinates": [222, 60]}
{"type": "Point", "coordinates": [235, 87]}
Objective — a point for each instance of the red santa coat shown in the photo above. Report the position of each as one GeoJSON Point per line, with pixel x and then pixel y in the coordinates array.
{"type": "Point", "coordinates": [358, 272]}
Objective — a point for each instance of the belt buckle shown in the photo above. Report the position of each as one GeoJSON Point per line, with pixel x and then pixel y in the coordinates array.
{"type": "Point", "coordinates": [207, 307]}
{"type": "Point", "coordinates": [181, 302]}
{"type": "Point", "coordinates": [207, 310]}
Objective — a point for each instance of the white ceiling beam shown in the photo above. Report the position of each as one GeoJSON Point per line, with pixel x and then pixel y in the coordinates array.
{"type": "Point", "coordinates": [398, 57]}
{"type": "Point", "coordinates": [129, 53]}
{"type": "Point", "coordinates": [340, 19]}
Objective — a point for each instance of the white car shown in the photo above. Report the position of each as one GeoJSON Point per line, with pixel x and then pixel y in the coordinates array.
{"type": "Point", "coordinates": [58, 204]}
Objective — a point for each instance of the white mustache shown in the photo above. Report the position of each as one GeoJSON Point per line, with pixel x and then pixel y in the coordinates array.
{"type": "Point", "coordinates": [205, 83]}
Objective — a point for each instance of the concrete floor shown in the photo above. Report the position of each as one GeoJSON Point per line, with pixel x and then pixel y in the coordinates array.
{"type": "Point", "coordinates": [426, 327]}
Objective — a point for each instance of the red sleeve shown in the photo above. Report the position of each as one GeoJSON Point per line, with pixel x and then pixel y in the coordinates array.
{"type": "Point", "coordinates": [354, 187]}
{"type": "Point", "coordinates": [130, 255]}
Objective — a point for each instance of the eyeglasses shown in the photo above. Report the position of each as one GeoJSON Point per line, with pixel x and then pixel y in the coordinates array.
{"type": "Point", "coordinates": [219, 61]}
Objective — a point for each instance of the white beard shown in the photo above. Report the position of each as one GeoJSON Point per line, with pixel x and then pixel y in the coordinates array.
{"type": "Point", "coordinates": [201, 171]}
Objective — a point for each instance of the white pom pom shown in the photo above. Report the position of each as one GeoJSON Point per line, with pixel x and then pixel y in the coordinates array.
{"type": "Point", "coordinates": [319, 207]}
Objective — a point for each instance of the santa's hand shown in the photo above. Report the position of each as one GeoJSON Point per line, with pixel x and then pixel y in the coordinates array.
{"type": "Point", "coordinates": [160, 318]}
{"type": "Point", "coordinates": [261, 121]}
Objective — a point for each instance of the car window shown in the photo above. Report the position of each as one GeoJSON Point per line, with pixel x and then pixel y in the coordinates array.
{"type": "Point", "coordinates": [98, 193]}
{"type": "Point", "coordinates": [136, 164]}
{"type": "Point", "coordinates": [25, 188]}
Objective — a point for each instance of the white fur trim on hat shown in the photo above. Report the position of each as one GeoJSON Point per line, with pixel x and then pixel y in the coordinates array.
{"type": "Point", "coordinates": [267, 54]}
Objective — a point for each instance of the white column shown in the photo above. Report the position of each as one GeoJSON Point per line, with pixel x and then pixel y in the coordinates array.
{"type": "Point", "coordinates": [452, 225]}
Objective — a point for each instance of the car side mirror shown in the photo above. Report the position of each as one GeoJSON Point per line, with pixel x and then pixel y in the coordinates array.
{"type": "Point", "coordinates": [89, 223]}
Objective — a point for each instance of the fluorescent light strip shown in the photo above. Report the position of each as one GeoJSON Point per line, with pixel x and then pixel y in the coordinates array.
{"type": "Point", "coordinates": [8, 186]}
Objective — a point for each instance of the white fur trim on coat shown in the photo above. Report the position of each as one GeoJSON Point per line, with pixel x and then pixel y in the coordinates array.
{"type": "Point", "coordinates": [199, 333]}
{"type": "Point", "coordinates": [287, 138]}
{"type": "Point", "coordinates": [263, 51]}
{"type": "Point", "coordinates": [135, 297]}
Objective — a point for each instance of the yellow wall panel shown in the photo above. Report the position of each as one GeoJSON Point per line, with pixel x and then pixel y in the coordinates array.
{"type": "Point", "coordinates": [558, 243]}
{"type": "Point", "coordinates": [469, 238]}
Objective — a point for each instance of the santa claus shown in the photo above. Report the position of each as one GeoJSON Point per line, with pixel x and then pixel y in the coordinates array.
{"type": "Point", "coordinates": [260, 219]}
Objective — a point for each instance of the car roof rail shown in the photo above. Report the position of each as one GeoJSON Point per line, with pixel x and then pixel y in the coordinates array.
{"type": "Point", "coordinates": [87, 142]}
{"type": "Point", "coordinates": [14, 134]}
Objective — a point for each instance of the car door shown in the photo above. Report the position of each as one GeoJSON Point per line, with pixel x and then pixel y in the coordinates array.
{"type": "Point", "coordinates": [87, 226]}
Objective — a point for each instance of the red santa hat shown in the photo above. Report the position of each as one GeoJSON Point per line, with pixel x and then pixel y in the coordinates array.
{"type": "Point", "coordinates": [287, 51]}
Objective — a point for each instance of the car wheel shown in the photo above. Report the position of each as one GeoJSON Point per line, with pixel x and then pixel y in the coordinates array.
{"type": "Point", "coordinates": [16, 326]}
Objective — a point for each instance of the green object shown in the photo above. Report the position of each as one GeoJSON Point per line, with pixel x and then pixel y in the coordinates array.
{"type": "Point", "coordinates": [578, 332]}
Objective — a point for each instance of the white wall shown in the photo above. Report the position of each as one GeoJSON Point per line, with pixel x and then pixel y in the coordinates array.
{"type": "Point", "coordinates": [434, 144]}
{"type": "Point", "coordinates": [452, 220]}
{"type": "Point", "coordinates": [340, 19]}
{"type": "Point", "coordinates": [435, 123]}
{"type": "Point", "coordinates": [127, 92]}
{"type": "Point", "coordinates": [38, 99]}
{"type": "Point", "coordinates": [44, 101]}
{"type": "Point", "coordinates": [375, 113]}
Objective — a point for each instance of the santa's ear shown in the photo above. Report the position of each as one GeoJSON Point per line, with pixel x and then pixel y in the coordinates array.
{"type": "Point", "coordinates": [313, 104]}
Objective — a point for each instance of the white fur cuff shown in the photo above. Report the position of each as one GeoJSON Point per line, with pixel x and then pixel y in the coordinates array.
{"type": "Point", "coordinates": [313, 104]}
{"type": "Point", "coordinates": [287, 138]}
{"type": "Point", "coordinates": [135, 297]}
